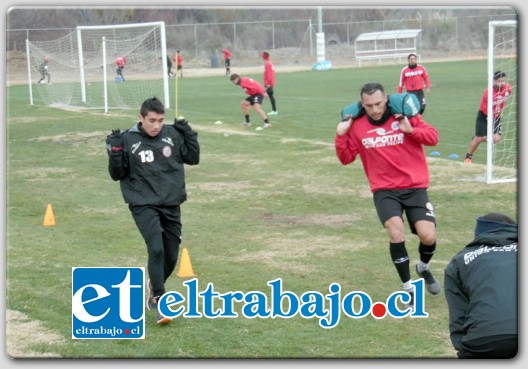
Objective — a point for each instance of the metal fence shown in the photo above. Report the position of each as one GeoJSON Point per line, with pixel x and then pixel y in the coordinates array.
{"type": "Point", "coordinates": [203, 42]}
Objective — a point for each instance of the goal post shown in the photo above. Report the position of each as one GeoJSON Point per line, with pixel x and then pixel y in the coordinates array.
{"type": "Point", "coordinates": [84, 72]}
{"type": "Point", "coordinates": [502, 157]}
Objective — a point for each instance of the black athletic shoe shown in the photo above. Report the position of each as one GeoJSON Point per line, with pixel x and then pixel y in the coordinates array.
{"type": "Point", "coordinates": [152, 302]}
{"type": "Point", "coordinates": [431, 283]}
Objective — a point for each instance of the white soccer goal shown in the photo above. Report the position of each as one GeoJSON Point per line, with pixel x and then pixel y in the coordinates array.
{"type": "Point", "coordinates": [83, 67]}
{"type": "Point", "coordinates": [502, 157]}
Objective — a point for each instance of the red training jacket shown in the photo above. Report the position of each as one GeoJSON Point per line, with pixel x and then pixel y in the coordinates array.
{"type": "Point", "coordinates": [269, 74]}
{"type": "Point", "coordinates": [120, 61]}
{"type": "Point", "coordinates": [391, 159]}
{"type": "Point", "coordinates": [251, 87]}
{"type": "Point", "coordinates": [178, 59]}
{"type": "Point", "coordinates": [499, 100]}
{"type": "Point", "coordinates": [413, 79]}
{"type": "Point", "coordinates": [227, 54]}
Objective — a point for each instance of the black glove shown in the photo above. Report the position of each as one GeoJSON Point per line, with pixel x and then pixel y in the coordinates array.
{"type": "Point", "coordinates": [114, 141]}
{"type": "Point", "coordinates": [182, 126]}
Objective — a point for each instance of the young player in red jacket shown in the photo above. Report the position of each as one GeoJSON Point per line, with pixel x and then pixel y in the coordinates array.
{"type": "Point", "coordinates": [256, 96]}
{"type": "Point", "coordinates": [501, 93]}
{"type": "Point", "coordinates": [414, 78]}
{"type": "Point", "coordinates": [391, 150]}
{"type": "Point", "coordinates": [269, 81]}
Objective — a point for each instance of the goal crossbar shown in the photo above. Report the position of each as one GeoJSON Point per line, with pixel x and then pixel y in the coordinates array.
{"type": "Point", "coordinates": [163, 43]}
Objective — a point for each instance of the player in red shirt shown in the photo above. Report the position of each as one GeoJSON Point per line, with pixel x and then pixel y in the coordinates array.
{"type": "Point", "coordinates": [391, 150]}
{"type": "Point", "coordinates": [44, 70]}
{"type": "Point", "coordinates": [227, 61]}
{"type": "Point", "coordinates": [501, 93]}
{"type": "Point", "coordinates": [269, 81]}
{"type": "Point", "coordinates": [178, 59]}
{"type": "Point", "coordinates": [414, 78]}
{"type": "Point", "coordinates": [256, 96]}
{"type": "Point", "coordinates": [120, 62]}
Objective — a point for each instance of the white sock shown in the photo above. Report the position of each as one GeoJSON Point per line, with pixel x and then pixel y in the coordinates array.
{"type": "Point", "coordinates": [421, 266]}
{"type": "Point", "coordinates": [407, 286]}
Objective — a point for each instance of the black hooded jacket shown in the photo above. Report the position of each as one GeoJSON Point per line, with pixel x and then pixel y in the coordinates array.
{"type": "Point", "coordinates": [151, 169]}
{"type": "Point", "coordinates": [481, 287]}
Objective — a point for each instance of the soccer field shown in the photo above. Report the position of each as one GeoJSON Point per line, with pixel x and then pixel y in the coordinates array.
{"type": "Point", "coordinates": [261, 205]}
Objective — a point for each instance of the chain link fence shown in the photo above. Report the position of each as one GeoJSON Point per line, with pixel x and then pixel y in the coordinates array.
{"type": "Point", "coordinates": [290, 42]}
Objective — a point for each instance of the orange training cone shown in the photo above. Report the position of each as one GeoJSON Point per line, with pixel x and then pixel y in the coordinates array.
{"type": "Point", "coordinates": [49, 218]}
{"type": "Point", "coordinates": [186, 269]}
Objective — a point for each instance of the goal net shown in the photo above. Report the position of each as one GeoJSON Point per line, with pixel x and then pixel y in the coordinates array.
{"type": "Point", "coordinates": [83, 68]}
{"type": "Point", "coordinates": [502, 157]}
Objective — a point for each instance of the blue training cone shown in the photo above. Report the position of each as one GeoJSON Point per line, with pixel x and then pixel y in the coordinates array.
{"type": "Point", "coordinates": [453, 156]}
{"type": "Point", "coordinates": [435, 153]}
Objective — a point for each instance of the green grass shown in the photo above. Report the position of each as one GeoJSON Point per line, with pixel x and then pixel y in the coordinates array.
{"type": "Point", "coordinates": [261, 205]}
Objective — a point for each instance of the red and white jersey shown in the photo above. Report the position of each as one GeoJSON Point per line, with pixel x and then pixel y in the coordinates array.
{"type": "Point", "coordinates": [269, 74]}
{"type": "Point", "coordinates": [178, 59]}
{"type": "Point", "coordinates": [499, 100]}
{"type": "Point", "coordinates": [120, 61]}
{"type": "Point", "coordinates": [413, 79]}
{"type": "Point", "coordinates": [391, 159]}
{"type": "Point", "coordinates": [251, 87]}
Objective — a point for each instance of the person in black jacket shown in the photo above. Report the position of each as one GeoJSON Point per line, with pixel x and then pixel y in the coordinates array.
{"type": "Point", "coordinates": [169, 67]}
{"type": "Point", "coordinates": [481, 291]}
{"type": "Point", "coordinates": [148, 160]}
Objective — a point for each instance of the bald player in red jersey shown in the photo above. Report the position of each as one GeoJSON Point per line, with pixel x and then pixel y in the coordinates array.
{"type": "Point", "coordinates": [256, 96]}
{"type": "Point", "coordinates": [391, 150]}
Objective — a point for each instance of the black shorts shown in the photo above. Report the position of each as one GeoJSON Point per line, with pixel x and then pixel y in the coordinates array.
{"type": "Point", "coordinates": [151, 220]}
{"type": "Point", "coordinates": [227, 62]}
{"type": "Point", "coordinates": [419, 95]}
{"type": "Point", "coordinates": [481, 125]}
{"type": "Point", "coordinates": [256, 99]}
{"type": "Point", "coordinates": [179, 67]}
{"type": "Point", "coordinates": [269, 90]}
{"type": "Point", "coordinates": [414, 202]}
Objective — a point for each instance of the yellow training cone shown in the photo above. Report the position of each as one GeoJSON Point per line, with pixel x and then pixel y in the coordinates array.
{"type": "Point", "coordinates": [186, 269]}
{"type": "Point", "coordinates": [49, 218]}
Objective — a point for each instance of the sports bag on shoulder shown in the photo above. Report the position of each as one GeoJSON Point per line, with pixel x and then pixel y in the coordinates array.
{"type": "Point", "coordinates": [352, 111]}
{"type": "Point", "coordinates": [405, 104]}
